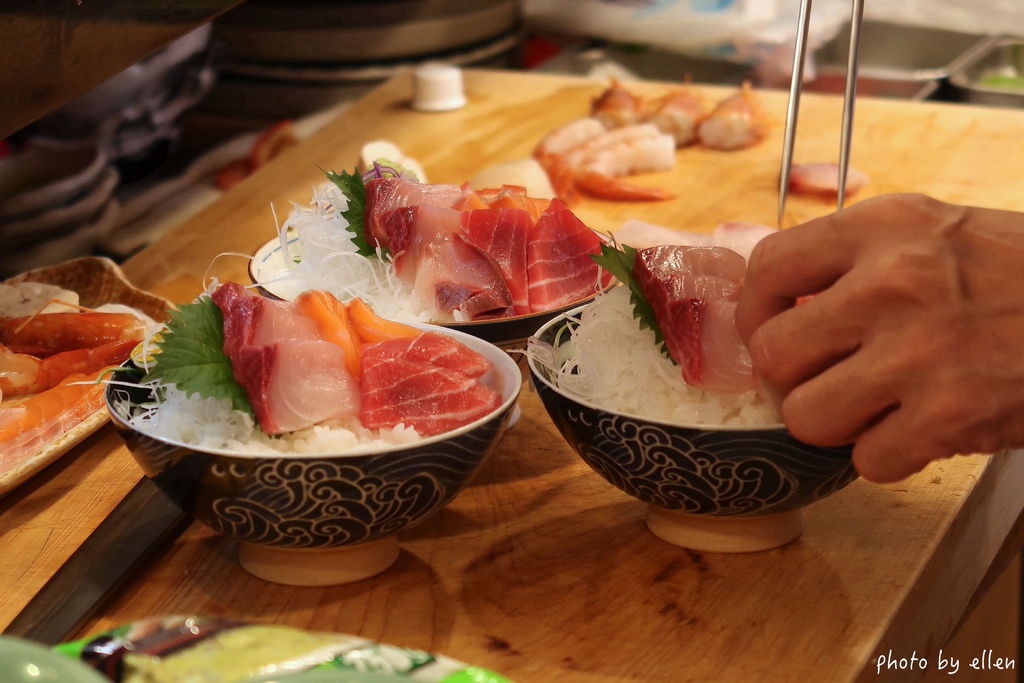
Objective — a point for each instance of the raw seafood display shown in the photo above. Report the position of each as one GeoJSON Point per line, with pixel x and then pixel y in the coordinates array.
{"type": "Point", "coordinates": [217, 650]}
{"type": "Point", "coordinates": [441, 253]}
{"type": "Point", "coordinates": [237, 370]}
{"type": "Point", "coordinates": [50, 360]}
{"type": "Point", "coordinates": [665, 346]}
{"type": "Point", "coordinates": [625, 135]}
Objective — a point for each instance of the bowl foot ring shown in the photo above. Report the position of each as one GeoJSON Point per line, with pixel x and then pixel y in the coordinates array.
{"type": "Point", "coordinates": [318, 566]}
{"type": "Point", "coordinates": [746, 534]}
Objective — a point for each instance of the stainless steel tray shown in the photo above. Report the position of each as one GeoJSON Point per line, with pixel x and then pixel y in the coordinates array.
{"type": "Point", "coordinates": [994, 76]}
{"type": "Point", "coordinates": [898, 52]}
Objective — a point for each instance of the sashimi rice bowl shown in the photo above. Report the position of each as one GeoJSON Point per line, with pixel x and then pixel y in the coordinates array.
{"type": "Point", "coordinates": [310, 431]}
{"type": "Point", "coordinates": [651, 385]}
{"type": "Point", "coordinates": [493, 263]}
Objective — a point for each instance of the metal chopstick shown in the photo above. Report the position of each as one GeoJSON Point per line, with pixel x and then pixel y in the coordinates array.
{"type": "Point", "coordinates": [795, 86]}
{"type": "Point", "coordinates": [849, 97]}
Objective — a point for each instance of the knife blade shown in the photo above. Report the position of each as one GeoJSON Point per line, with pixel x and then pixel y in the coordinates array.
{"type": "Point", "coordinates": [144, 521]}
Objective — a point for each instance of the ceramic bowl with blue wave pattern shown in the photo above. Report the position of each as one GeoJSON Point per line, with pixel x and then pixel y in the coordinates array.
{"type": "Point", "coordinates": [325, 518]}
{"type": "Point", "coordinates": [727, 489]}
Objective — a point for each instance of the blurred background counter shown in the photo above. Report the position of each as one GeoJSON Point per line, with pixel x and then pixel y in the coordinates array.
{"type": "Point", "coordinates": [120, 119]}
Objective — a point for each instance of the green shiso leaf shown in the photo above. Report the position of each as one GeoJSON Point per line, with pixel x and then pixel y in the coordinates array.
{"type": "Point", "coordinates": [619, 262]}
{"type": "Point", "coordinates": [191, 355]}
{"type": "Point", "coordinates": [352, 186]}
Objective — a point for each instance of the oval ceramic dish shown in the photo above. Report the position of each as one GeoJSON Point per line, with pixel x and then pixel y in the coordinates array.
{"type": "Point", "coordinates": [97, 281]}
{"type": "Point", "coordinates": [706, 488]}
{"type": "Point", "coordinates": [326, 518]}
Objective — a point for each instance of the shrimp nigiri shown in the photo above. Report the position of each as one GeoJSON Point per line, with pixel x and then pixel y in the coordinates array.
{"type": "Point", "coordinates": [735, 123]}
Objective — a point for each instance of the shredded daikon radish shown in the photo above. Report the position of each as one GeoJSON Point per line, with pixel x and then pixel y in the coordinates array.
{"type": "Point", "coordinates": [330, 261]}
{"type": "Point", "coordinates": [610, 362]}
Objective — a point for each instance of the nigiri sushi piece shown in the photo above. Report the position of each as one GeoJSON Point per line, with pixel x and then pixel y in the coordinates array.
{"type": "Point", "coordinates": [617, 106]}
{"type": "Point", "coordinates": [735, 123]}
{"type": "Point", "coordinates": [694, 291]}
{"type": "Point", "coordinates": [679, 113]}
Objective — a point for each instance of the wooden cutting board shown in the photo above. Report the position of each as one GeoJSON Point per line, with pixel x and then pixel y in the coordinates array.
{"type": "Point", "coordinates": [955, 153]}
{"type": "Point", "coordinates": [540, 569]}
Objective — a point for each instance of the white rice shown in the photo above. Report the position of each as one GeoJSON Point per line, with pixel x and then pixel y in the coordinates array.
{"type": "Point", "coordinates": [611, 363]}
{"type": "Point", "coordinates": [330, 261]}
{"type": "Point", "coordinates": [211, 423]}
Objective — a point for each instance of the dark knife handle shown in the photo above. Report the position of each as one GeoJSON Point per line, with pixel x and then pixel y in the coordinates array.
{"type": "Point", "coordinates": [143, 522]}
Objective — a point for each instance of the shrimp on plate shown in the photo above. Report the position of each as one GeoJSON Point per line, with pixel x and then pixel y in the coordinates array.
{"type": "Point", "coordinates": [22, 374]}
{"type": "Point", "coordinates": [45, 334]}
{"type": "Point", "coordinates": [735, 123]}
{"type": "Point", "coordinates": [49, 364]}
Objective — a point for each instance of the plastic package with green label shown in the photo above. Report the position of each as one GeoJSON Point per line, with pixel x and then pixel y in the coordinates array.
{"type": "Point", "coordinates": [213, 650]}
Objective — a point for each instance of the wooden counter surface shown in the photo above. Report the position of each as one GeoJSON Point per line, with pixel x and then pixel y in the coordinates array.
{"type": "Point", "coordinates": [540, 570]}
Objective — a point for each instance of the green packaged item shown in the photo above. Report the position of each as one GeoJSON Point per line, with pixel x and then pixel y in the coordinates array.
{"type": "Point", "coordinates": [201, 650]}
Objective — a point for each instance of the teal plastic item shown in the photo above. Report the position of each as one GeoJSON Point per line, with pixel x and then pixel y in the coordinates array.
{"type": "Point", "coordinates": [22, 661]}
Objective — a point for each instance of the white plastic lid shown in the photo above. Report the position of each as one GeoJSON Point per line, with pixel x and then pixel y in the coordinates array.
{"type": "Point", "coordinates": [438, 87]}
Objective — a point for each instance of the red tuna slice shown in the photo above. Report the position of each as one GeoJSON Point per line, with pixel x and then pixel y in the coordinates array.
{"type": "Point", "coordinates": [560, 269]}
{"type": "Point", "coordinates": [397, 388]}
{"type": "Point", "coordinates": [437, 349]}
{"type": "Point", "coordinates": [294, 384]}
{"type": "Point", "coordinates": [384, 195]}
{"type": "Point", "coordinates": [502, 234]}
{"type": "Point", "coordinates": [693, 291]}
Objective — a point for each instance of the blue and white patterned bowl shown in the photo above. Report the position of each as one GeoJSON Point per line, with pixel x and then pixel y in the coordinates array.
{"type": "Point", "coordinates": [338, 513]}
{"type": "Point", "coordinates": [698, 480]}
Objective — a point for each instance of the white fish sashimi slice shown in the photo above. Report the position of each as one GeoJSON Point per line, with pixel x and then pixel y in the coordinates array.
{"type": "Point", "coordinates": [307, 384]}
{"type": "Point", "coordinates": [726, 363]}
{"type": "Point", "coordinates": [641, 235]}
{"type": "Point", "coordinates": [740, 237]}
{"type": "Point", "coordinates": [737, 236]}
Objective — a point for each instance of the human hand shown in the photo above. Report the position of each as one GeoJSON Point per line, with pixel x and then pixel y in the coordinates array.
{"type": "Point", "coordinates": [911, 345]}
